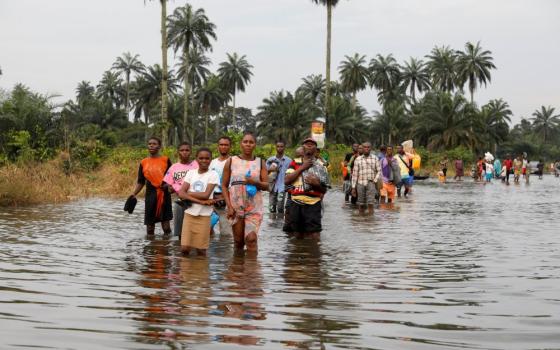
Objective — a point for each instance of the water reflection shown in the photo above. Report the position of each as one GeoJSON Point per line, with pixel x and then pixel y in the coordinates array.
{"type": "Point", "coordinates": [455, 265]}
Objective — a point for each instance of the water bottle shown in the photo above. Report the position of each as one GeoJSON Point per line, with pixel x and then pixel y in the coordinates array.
{"type": "Point", "coordinates": [251, 189]}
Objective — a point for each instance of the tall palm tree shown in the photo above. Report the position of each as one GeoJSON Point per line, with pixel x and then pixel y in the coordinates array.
{"type": "Point", "coordinates": [545, 122]}
{"type": "Point", "coordinates": [110, 88]}
{"type": "Point", "coordinates": [313, 88]}
{"type": "Point", "coordinates": [198, 68]}
{"type": "Point", "coordinates": [496, 115]}
{"type": "Point", "coordinates": [415, 76]}
{"type": "Point", "coordinates": [235, 74]}
{"type": "Point", "coordinates": [385, 74]}
{"type": "Point", "coordinates": [474, 66]}
{"type": "Point", "coordinates": [189, 28]}
{"type": "Point", "coordinates": [329, 4]}
{"type": "Point", "coordinates": [128, 64]}
{"type": "Point", "coordinates": [147, 88]}
{"type": "Point", "coordinates": [354, 75]}
{"type": "Point", "coordinates": [84, 92]}
{"type": "Point", "coordinates": [442, 66]}
{"type": "Point", "coordinates": [211, 98]}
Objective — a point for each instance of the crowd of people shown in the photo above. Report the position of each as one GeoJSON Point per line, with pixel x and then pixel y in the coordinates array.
{"type": "Point", "coordinates": [488, 168]}
{"type": "Point", "coordinates": [226, 192]}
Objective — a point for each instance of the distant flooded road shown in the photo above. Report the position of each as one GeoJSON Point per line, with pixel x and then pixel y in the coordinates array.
{"type": "Point", "coordinates": [456, 265]}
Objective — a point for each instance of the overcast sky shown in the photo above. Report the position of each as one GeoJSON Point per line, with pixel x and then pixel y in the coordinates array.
{"type": "Point", "coordinates": [52, 45]}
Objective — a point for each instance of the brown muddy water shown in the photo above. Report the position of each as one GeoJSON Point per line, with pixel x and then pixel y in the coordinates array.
{"type": "Point", "coordinates": [457, 265]}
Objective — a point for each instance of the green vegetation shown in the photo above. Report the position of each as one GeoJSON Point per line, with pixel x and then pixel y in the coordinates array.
{"type": "Point", "coordinates": [422, 99]}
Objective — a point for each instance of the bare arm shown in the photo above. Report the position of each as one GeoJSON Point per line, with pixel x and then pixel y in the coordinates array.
{"type": "Point", "coordinates": [262, 183]}
{"type": "Point", "coordinates": [225, 182]}
{"type": "Point", "coordinates": [137, 189]}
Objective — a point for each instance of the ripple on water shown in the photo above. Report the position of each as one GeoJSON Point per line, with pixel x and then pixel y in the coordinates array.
{"type": "Point", "coordinates": [456, 265]}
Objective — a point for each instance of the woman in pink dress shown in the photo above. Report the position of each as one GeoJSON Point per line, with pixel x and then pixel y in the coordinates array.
{"type": "Point", "coordinates": [244, 177]}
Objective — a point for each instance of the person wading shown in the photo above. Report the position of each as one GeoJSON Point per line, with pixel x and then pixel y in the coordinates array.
{"type": "Point", "coordinates": [244, 178]}
{"type": "Point", "coordinates": [277, 166]}
{"type": "Point", "coordinates": [364, 177]}
{"type": "Point", "coordinates": [307, 181]}
{"type": "Point", "coordinates": [217, 165]}
{"type": "Point", "coordinates": [157, 199]}
{"type": "Point", "coordinates": [174, 178]}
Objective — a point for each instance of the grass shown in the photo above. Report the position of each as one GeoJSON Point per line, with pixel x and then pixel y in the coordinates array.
{"type": "Point", "coordinates": [47, 182]}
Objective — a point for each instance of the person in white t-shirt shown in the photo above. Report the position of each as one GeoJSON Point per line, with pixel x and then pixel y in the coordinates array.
{"type": "Point", "coordinates": [217, 165]}
{"type": "Point", "coordinates": [198, 187]}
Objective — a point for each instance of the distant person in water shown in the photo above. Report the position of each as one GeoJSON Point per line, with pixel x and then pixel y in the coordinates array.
{"type": "Point", "coordinates": [407, 173]}
{"type": "Point", "coordinates": [459, 169]}
{"type": "Point", "coordinates": [389, 169]}
{"type": "Point", "coordinates": [443, 164]}
{"type": "Point", "coordinates": [557, 168]}
{"type": "Point", "coordinates": [497, 168]}
{"type": "Point", "coordinates": [360, 151]}
{"type": "Point", "coordinates": [367, 171]}
{"type": "Point", "coordinates": [198, 187]}
{"type": "Point", "coordinates": [508, 163]}
{"type": "Point", "coordinates": [276, 167]}
{"type": "Point", "coordinates": [174, 178]}
{"type": "Point", "coordinates": [517, 168]}
{"type": "Point", "coordinates": [540, 169]}
{"type": "Point", "coordinates": [347, 186]}
{"type": "Point", "coordinates": [157, 199]}
{"type": "Point", "coordinates": [489, 171]}
{"type": "Point", "coordinates": [245, 176]}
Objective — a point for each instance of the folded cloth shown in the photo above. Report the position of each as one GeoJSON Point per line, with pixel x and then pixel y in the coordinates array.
{"type": "Point", "coordinates": [130, 204]}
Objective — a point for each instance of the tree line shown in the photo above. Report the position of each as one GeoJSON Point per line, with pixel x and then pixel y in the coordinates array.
{"type": "Point", "coordinates": [428, 99]}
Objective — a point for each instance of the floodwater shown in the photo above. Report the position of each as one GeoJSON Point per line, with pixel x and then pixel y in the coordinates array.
{"type": "Point", "coordinates": [455, 266]}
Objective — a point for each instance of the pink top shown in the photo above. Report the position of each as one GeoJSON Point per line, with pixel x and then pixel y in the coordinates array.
{"type": "Point", "coordinates": [177, 172]}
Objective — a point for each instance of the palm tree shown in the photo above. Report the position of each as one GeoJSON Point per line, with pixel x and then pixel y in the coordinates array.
{"type": "Point", "coordinates": [347, 123]}
{"type": "Point", "coordinates": [147, 88]}
{"type": "Point", "coordinates": [545, 122]}
{"type": "Point", "coordinates": [313, 88]}
{"type": "Point", "coordinates": [189, 28]}
{"type": "Point", "coordinates": [128, 64]}
{"type": "Point", "coordinates": [329, 4]}
{"type": "Point", "coordinates": [235, 73]}
{"type": "Point", "coordinates": [198, 68]}
{"type": "Point", "coordinates": [84, 92]}
{"type": "Point", "coordinates": [392, 122]}
{"type": "Point", "coordinates": [110, 88]}
{"type": "Point", "coordinates": [445, 121]}
{"type": "Point", "coordinates": [442, 66]}
{"type": "Point", "coordinates": [284, 116]}
{"type": "Point", "coordinates": [353, 75]}
{"type": "Point", "coordinates": [474, 66]}
{"type": "Point", "coordinates": [495, 117]}
{"type": "Point", "coordinates": [211, 98]}
{"type": "Point", "coordinates": [415, 76]}
{"type": "Point", "coordinates": [385, 74]}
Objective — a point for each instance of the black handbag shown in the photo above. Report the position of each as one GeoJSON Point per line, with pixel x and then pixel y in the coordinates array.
{"type": "Point", "coordinates": [130, 204]}
{"type": "Point", "coordinates": [185, 204]}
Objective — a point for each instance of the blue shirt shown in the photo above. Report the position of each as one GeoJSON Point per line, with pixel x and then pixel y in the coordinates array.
{"type": "Point", "coordinates": [283, 164]}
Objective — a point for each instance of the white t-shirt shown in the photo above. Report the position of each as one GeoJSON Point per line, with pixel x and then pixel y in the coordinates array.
{"type": "Point", "coordinates": [198, 183]}
{"type": "Point", "coordinates": [218, 166]}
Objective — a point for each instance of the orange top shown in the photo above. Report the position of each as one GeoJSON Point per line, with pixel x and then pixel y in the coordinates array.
{"type": "Point", "coordinates": [154, 170]}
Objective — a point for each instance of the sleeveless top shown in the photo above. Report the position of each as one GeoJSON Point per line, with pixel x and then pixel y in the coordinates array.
{"type": "Point", "coordinates": [237, 189]}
